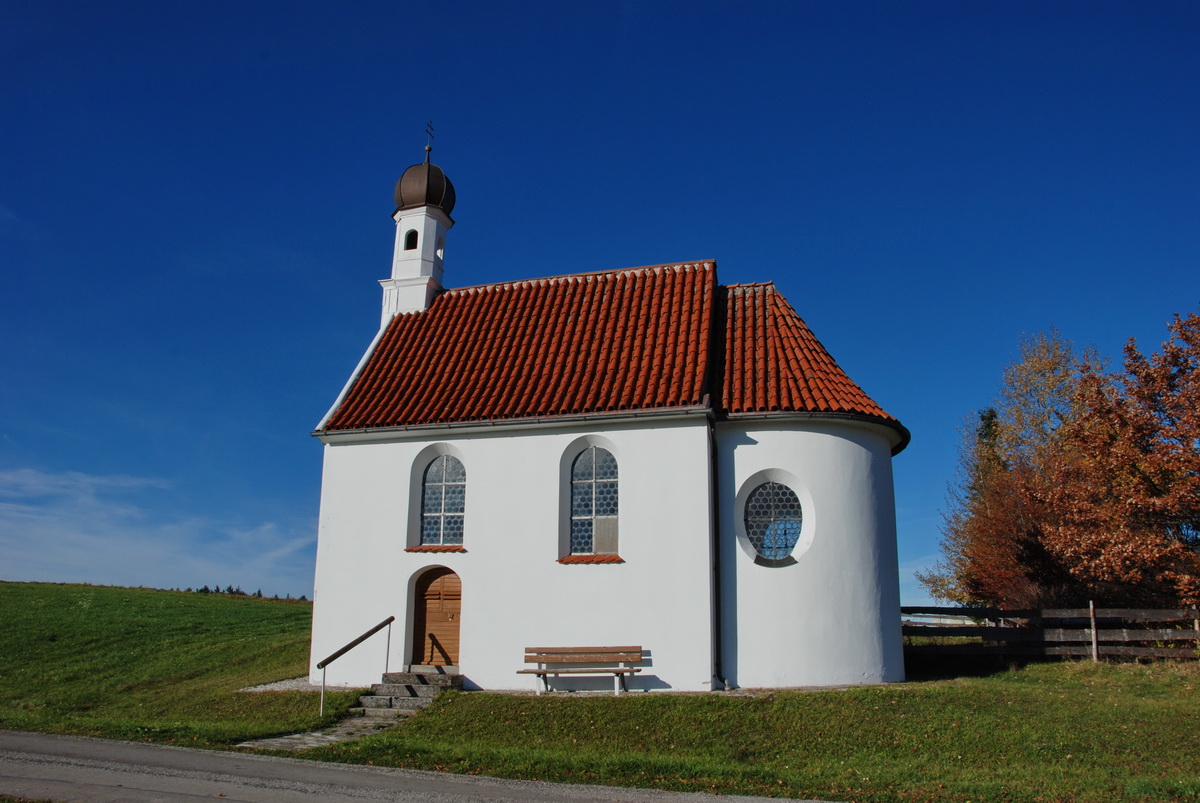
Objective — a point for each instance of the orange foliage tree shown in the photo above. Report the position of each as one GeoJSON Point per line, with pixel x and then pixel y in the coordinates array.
{"type": "Point", "coordinates": [1081, 485]}
{"type": "Point", "coordinates": [993, 546]}
{"type": "Point", "coordinates": [1125, 477]}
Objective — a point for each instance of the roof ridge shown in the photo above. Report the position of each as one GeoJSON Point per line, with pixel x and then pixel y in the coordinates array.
{"type": "Point", "coordinates": [751, 285]}
{"type": "Point", "coordinates": [699, 263]}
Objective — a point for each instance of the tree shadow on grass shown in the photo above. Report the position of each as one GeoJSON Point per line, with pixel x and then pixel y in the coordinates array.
{"type": "Point", "coordinates": [927, 666]}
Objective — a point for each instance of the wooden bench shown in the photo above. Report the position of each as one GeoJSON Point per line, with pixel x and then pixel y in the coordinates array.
{"type": "Point", "coordinates": [556, 661]}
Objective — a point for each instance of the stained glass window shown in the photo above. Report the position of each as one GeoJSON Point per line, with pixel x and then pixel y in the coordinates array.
{"type": "Point", "coordinates": [594, 503]}
{"type": "Point", "coordinates": [443, 497]}
{"type": "Point", "coordinates": [773, 519]}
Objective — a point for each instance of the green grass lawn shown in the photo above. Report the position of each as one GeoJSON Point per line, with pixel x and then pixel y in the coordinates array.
{"type": "Point", "coordinates": [152, 665]}
{"type": "Point", "coordinates": [166, 666]}
{"type": "Point", "coordinates": [1050, 732]}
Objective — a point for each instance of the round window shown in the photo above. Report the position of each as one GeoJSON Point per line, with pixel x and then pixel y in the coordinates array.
{"type": "Point", "coordinates": [773, 518]}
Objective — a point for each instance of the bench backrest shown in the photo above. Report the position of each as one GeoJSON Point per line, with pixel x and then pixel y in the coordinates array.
{"type": "Point", "coordinates": [583, 655]}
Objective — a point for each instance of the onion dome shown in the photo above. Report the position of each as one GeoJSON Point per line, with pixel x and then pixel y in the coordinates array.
{"type": "Point", "coordinates": [425, 185]}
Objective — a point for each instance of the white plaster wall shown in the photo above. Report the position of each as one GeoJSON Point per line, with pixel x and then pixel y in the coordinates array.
{"type": "Point", "coordinates": [833, 617]}
{"type": "Point", "coordinates": [515, 593]}
{"type": "Point", "coordinates": [431, 224]}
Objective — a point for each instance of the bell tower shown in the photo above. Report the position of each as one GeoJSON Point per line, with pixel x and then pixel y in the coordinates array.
{"type": "Point", "coordinates": [424, 200]}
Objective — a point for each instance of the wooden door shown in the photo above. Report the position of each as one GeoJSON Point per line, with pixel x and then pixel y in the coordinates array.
{"type": "Point", "coordinates": [438, 601]}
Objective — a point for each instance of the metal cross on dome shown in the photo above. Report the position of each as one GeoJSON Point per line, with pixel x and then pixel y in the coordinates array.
{"type": "Point", "coordinates": [429, 138]}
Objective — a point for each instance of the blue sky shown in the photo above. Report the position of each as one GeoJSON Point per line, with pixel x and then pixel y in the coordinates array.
{"type": "Point", "coordinates": [195, 201]}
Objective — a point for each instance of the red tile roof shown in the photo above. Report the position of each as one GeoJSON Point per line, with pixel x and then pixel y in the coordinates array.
{"type": "Point", "coordinates": [774, 363]}
{"type": "Point", "coordinates": [657, 338]}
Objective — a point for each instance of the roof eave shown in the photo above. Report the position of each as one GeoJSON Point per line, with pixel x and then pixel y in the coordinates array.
{"type": "Point", "coordinates": [528, 422]}
{"type": "Point", "coordinates": [901, 431]}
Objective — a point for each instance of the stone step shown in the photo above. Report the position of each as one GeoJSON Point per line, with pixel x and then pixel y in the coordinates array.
{"type": "Point", "coordinates": [373, 702]}
{"type": "Point", "coordinates": [444, 681]}
{"type": "Point", "coordinates": [383, 713]}
{"type": "Point", "coordinates": [405, 690]}
{"type": "Point", "coordinates": [430, 669]}
{"type": "Point", "coordinates": [409, 690]}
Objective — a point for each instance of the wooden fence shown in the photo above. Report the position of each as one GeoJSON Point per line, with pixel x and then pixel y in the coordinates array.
{"type": "Point", "coordinates": [1076, 632]}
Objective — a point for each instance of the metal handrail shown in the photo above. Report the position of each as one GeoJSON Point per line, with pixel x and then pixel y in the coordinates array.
{"type": "Point", "coordinates": [323, 664]}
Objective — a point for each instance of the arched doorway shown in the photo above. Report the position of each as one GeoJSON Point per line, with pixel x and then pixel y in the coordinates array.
{"type": "Point", "coordinates": [437, 607]}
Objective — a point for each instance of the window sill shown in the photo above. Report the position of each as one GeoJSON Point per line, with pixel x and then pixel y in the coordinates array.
{"type": "Point", "coordinates": [774, 562]}
{"type": "Point", "coordinates": [437, 548]}
{"type": "Point", "coordinates": [590, 559]}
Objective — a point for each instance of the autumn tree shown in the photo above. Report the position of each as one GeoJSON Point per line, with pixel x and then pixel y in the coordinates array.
{"type": "Point", "coordinates": [1125, 482]}
{"type": "Point", "coordinates": [1081, 485]}
{"type": "Point", "coordinates": [993, 535]}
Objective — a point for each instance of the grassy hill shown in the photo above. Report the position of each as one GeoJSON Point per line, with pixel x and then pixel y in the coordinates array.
{"type": "Point", "coordinates": [166, 666]}
{"type": "Point", "coordinates": [145, 664]}
{"type": "Point", "coordinates": [1060, 732]}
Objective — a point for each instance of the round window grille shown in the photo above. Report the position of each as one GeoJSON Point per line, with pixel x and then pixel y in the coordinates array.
{"type": "Point", "coordinates": [773, 519]}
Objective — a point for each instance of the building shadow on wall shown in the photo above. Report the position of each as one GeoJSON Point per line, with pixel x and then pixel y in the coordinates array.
{"type": "Point", "coordinates": [727, 556]}
{"type": "Point", "coordinates": [642, 682]}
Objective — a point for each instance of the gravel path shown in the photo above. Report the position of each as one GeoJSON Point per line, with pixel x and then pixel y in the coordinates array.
{"type": "Point", "coordinates": [294, 684]}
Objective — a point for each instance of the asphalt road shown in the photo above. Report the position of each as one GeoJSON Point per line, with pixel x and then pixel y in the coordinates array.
{"type": "Point", "coordinates": [74, 768]}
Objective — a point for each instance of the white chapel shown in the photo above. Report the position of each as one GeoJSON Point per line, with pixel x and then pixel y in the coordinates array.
{"type": "Point", "coordinates": [634, 456]}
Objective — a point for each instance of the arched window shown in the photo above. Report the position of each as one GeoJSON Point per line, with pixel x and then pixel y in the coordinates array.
{"type": "Point", "coordinates": [443, 496]}
{"type": "Point", "coordinates": [594, 503]}
{"type": "Point", "coordinates": [773, 518]}
{"type": "Point", "coordinates": [410, 240]}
